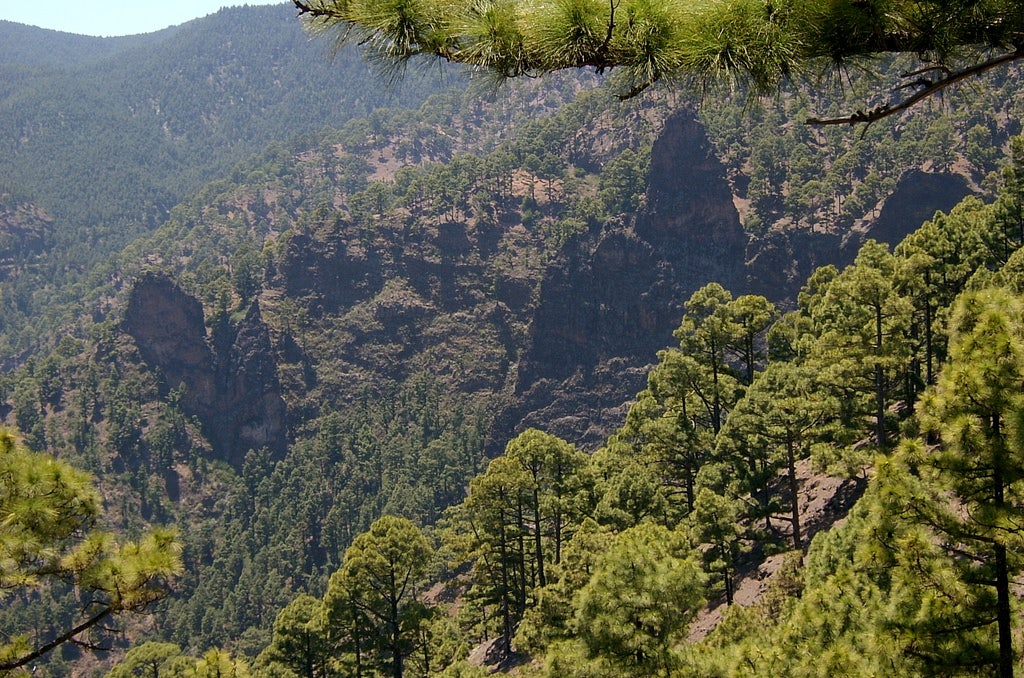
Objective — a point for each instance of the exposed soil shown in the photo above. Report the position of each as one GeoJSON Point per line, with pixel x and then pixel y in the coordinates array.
{"type": "Point", "coordinates": [824, 502]}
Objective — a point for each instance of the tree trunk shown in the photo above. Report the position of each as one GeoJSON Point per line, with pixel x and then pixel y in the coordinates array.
{"type": "Point", "coordinates": [506, 612]}
{"type": "Point", "coordinates": [749, 357]}
{"type": "Point", "coordinates": [1003, 611]}
{"type": "Point", "coordinates": [357, 636]}
{"type": "Point", "coordinates": [794, 491]}
{"type": "Point", "coordinates": [716, 400]}
{"type": "Point", "coordinates": [558, 533]}
{"type": "Point", "coordinates": [727, 576]}
{"type": "Point", "coordinates": [690, 498]}
{"type": "Point", "coordinates": [929, 361]}
{"type": "Point", "coordinates": [766, 501]}
{"type": "Point", "coordinates": [521, 558]}
{"type": "Point", "coordinates": [879, 382]}
{"type": "Point", "coordinates": [537, 544]}
{"type": "Point", "coordinates": [396, 632]}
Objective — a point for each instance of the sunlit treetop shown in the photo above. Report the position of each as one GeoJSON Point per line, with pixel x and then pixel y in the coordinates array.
{"type": "Point", "coordinates": [759, 43]}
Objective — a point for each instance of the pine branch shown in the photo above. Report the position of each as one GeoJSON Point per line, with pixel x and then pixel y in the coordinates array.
{"type": "Point", "coordinates": [315, 12]}
{"type": "Point", "coordinates": [928, 88]}
{"type": "Point", "coordinates": [56, 642]}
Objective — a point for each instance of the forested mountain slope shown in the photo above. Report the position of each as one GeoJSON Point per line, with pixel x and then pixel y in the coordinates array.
{"type": "Point", "coordinates": [262, 308]}
{"type": "Point", "coordinates": [56, 51]}
{"type": "Point", "coordinates": [110, 140]}
{"type": "Point", "coordinates": [899, 372]}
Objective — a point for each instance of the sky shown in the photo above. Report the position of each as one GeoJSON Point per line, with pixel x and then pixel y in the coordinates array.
{"type": "Point", "coordinates": [113, 17]}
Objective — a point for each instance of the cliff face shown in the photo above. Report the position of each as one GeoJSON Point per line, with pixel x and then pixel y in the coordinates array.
{"type": "Point", "coordinates": [689, 202]}
{"type": "Point", "coordinates": [403, 303]}
{"type": "Point", "coordinates": [330, 271]}
{"type": "Point", "coordinates": [611, 301]}
{"type": "Point", "coordinates": [170, 331]}
{"type": "Point", "coordinates": [559, 342]}
{"type": "Point", "coordinates": [917, 197]}
{"type": "Point", "coordinates": [229, 380]}
{"type": "Point", "coordinates": [779, 262]}
{"type": "Point", "coordinates": [251, 412]}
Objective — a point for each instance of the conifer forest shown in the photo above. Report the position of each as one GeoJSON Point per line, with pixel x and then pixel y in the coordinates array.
{"type": "Point", "coordinates": [563, 339]}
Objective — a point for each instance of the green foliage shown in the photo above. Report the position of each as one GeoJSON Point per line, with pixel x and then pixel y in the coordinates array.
{"type": "Point", "coordinates": [49, 536]}
{"type": "Point", "coordinates": [714, 522]}
{"type": "Point", "coordinates": [148, 660]}
{"type": "Point", "coordinates": [864, 344]}
{"type": "Point", "coordinates": [709, 42]}
{"type": "Point", "coordinates": [770, 429]}
{"type": "Point", "coordinates": [976, 411]}
{"type": "Point", "coordinates": [551, 618]}
{"type": "Point", "coordinates": [516, 521]}
{"type": "Point", "coordinates": [379, 579]}
{"type": "Point", "coordinates": [215, 663]}
{"type": "Point", "coordinates": [644, 589]}
{"type": "Point", "coordinates": [299, 643]}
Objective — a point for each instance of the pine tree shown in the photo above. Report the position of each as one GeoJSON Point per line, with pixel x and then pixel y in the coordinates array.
{"type": "Point", "coordinates": [863, 349]}
{"type": "Point", "coordinates": [707, 330]}
{"type": "Point", "coordinates": [977, 411]}
{"type": "Point", "coordinates": [771, 429]}
{"type": "Point", "coordinates": [644, 590]}
{"type": "Point", "coordinates": [489, 529]}
{"type": "Point", "coordinates": [49, 534]}
{"type": "Point", "coordinates": [752, 316]}
{"type": "Point", "coordinates": [672, 425]}
{"type": "Point", "coordinates": [147, 660]}
{"type": "Point", "coordinates": [555, 472]}
{"type": "Point", "coordinates": [384, 567]}
{"type": "Point", "coordinates": [299, 641]}
{"type": "Point", "coordinates": [519, 514]}
{"type": "Point", "coordinates": [714, 523]}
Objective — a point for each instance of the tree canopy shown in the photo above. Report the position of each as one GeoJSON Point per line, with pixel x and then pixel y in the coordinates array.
{"type": "Point", "coordinates": [701, 42]}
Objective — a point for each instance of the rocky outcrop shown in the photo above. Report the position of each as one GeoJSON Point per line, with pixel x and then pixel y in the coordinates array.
{"type": "Point", "coordinates": [611, 301]}
{"type": "Point", "coordinates": [251, 412]}
{"type": "Point", "coordinates": [228, 381]}
{"type": "Point", "coordinates": [689, 202]}
{"type": "Point", "coordinates": [329, 271]}
{"type": "Point", "coordinates": [409, 300]}
{"type": "Point", "coordinates": [563, 344]}
{"type": "Point", "coordinates": [779, 262]}
{"type": "Point", "coordinates": [918, 196]}
{"type": "Point", "coordinates": [169, 329]}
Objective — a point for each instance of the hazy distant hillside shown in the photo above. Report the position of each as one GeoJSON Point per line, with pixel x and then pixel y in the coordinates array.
{"type": "Point", "coordinates": [39, 47]}
{"type": "Point", "coordinates": [110, 142]}
{"type": "Point", "coordinates": [126, 134]}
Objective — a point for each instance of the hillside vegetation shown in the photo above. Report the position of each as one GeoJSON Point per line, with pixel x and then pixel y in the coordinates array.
{"type": "Point", "coordinates": [301, 326]}
{"type": "Point", "coordinates": [900, 370]}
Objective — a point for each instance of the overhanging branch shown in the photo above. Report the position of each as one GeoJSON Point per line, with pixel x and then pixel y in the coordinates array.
{"type": "Point", "coordinates": [69, 635]}
{"type": "Point", "coordinates": [316, 11]}
{"type": "Point", "coordinates": [928, 88]}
